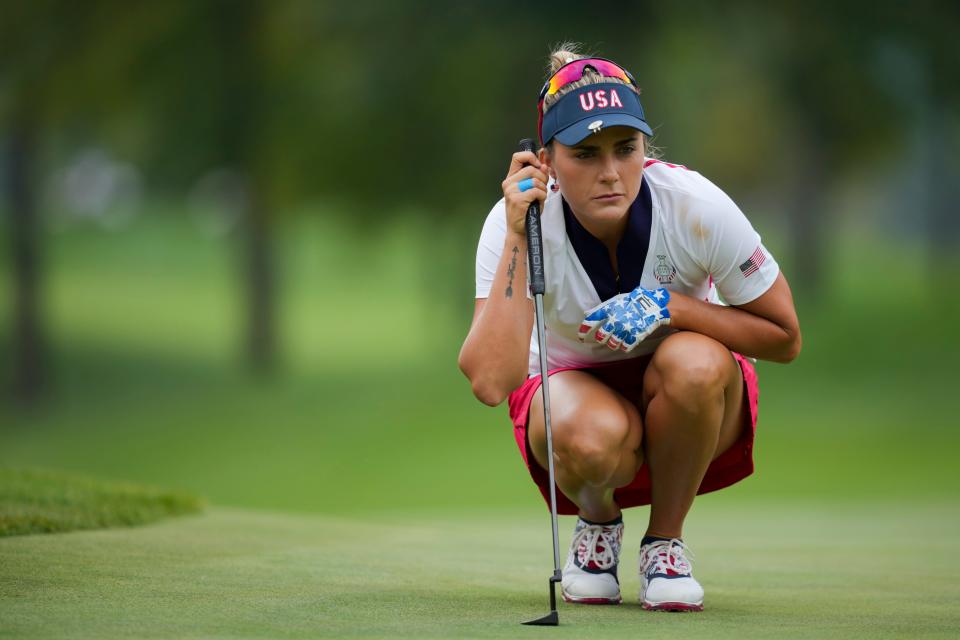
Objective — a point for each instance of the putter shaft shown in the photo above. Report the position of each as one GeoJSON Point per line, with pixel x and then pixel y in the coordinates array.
{"type": "Point", "coordinates": [544, 383]}
{"type": "Point", "coordinates": [552, 619]}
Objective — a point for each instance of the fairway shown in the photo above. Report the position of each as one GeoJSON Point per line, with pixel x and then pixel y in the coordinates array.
{"type": "Point", "coordinates": [802, 572]}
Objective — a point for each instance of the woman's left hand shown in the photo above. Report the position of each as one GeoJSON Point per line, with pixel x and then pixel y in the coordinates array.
{"type": "Point", "coordinates": [624, 321]}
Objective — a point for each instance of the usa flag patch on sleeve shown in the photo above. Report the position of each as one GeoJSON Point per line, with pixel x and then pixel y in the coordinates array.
{"type": "Point", "coordinates": [753, 262]}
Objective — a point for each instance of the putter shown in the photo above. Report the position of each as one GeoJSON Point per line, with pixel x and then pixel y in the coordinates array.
{"type": "Point", "coordinates": [537, 287]}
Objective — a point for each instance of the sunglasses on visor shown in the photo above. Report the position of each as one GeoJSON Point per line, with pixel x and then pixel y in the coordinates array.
{"type": "Point", "coordinates": [573, 71]}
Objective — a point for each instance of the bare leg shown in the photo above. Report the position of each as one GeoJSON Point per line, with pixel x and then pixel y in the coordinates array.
{"type": "Point", "coordinates": [693, 393]}
{"type": "Point", "coordinates": [597, 436]}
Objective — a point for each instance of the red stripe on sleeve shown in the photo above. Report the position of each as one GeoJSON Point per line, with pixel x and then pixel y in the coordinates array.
{"type": "Point", "coordinates": [671, 165]}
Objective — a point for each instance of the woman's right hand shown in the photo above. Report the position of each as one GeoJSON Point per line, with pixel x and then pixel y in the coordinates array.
{"type": "Point", "coordinates": [523, 165]}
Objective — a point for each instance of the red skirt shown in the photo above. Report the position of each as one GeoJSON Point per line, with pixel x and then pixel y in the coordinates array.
{"type": "Point", "coordinates": [733, 465]}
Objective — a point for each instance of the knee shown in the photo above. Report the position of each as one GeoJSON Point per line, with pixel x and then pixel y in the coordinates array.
{"type": "Point", "coordinates": [691, 369]}
{"type": "Point", "coordinates": [590, 441]}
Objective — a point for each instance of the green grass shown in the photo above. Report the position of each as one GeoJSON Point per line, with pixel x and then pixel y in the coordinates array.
{"type": "Point", "coordinates": [40, 501]}
{"type": "Point", "coordinates": [793, 571]}
{"type": "Point", "coordinates": [398, 504]}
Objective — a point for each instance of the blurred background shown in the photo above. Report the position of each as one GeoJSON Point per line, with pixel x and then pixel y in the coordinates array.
{"type": "Point", "coordinates": [238, 236]}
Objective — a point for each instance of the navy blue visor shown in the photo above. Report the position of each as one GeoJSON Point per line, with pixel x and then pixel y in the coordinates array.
{"type": "Point", "coordinates": [589, 110]}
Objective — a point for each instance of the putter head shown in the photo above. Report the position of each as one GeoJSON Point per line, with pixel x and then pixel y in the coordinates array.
{"type": "Point", "coordinates": [552, 619]}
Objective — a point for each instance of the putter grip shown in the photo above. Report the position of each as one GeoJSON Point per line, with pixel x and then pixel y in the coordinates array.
{"type": "Point", "coordinates": [534, 237]}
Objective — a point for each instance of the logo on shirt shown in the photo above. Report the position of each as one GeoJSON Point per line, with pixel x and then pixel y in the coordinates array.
{"type": "Point", "coordinates": [664, 271]}
{"type": "Point", "coordinates": [752, 265]}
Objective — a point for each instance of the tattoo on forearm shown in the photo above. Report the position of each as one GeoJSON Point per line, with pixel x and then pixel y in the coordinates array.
{"type": "Point", "coordinates": [511, 270]}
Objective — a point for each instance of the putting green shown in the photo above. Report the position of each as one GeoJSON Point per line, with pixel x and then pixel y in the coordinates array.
{"type": "Point", "coordinates": [801, 571]}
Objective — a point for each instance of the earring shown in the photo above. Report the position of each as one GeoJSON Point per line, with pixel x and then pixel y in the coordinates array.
{"type": "Point", "coordinates": [555, 186]}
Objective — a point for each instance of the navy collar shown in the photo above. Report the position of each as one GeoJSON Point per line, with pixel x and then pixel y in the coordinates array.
{"type": "Point", "coordinates": [631, 250]}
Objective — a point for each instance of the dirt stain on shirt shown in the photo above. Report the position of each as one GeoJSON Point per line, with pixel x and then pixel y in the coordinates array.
{"type": "Point", "coordinates": [699, 230]}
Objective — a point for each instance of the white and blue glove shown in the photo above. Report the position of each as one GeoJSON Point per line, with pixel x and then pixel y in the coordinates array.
{"type": "Point", "coordinates": [623, 321]}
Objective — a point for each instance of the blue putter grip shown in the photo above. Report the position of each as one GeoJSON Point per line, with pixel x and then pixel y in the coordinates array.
{"type": "Point", "coordinates": [534, 237]}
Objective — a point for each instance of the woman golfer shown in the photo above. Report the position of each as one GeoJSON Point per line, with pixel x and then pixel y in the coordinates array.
{"type": "Point", "coordinates": [658, 293]}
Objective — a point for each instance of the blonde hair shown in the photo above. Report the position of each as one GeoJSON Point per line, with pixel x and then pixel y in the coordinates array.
{"type": "Point", "coordinates": [567, 52]}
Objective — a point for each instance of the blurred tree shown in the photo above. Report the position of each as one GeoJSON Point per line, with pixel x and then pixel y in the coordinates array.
{"type": "Point", "coordinates": [841, 118]}
{"type": "Point", "coordinates": [198, 78]}
{"type": "Point", "coordinates": [926, 35]}
{"type": "Point", "coordinates": [185, 74]}
{"type": "Point", "coordinates": [61, 73]}
{"type": "Point", "coordinates": [243, 102]}
{"type": "Point", "coordinates": [29, 363]}
{"type": "Point", "coordinates": [35, 49]}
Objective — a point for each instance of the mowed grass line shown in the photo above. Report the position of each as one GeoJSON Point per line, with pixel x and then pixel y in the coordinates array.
{"type": "Point", "coordinates": [42, 501]}
{"type": "Point", "coordinates": [800, 571]}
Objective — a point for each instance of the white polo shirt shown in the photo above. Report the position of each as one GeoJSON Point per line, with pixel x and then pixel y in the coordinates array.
{"type": "Point", "coordinates": [700, 244]}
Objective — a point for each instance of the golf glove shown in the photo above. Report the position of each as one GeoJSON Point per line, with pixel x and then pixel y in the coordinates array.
{"type": "Point", "coordinates": [623, 321]}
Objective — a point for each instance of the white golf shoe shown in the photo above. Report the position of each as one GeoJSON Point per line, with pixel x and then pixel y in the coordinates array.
{"type": "Point", "coordinates": [666, 578]}
{"type": "Point", "coordinates": [590, 575]}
